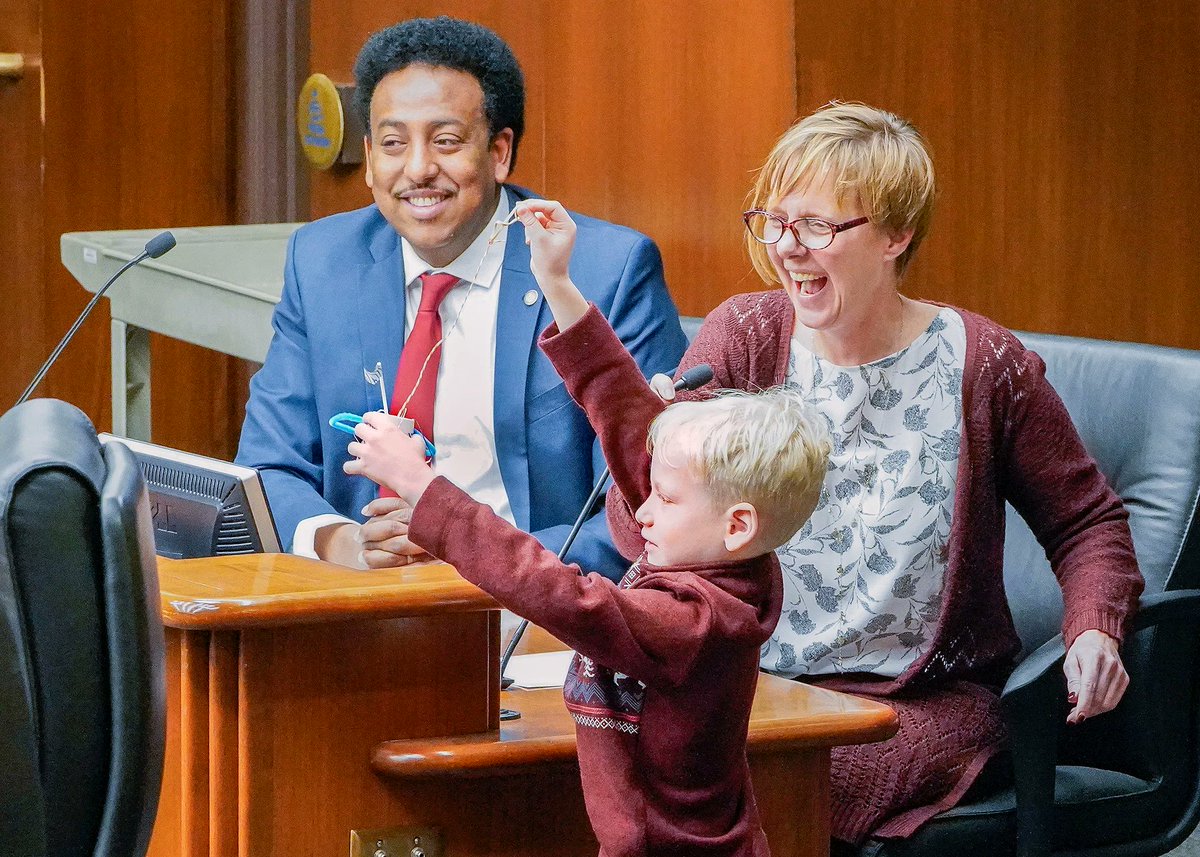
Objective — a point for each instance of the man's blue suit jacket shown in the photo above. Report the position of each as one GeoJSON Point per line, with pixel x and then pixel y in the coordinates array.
{"type": "Point", "coordinates": [342, 309]}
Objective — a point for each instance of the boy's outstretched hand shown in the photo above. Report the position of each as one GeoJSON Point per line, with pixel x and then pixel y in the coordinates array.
{"type": "Point", "coordinates": [550, 234]}
{"type": "Point", "coordinates": [387, 455]}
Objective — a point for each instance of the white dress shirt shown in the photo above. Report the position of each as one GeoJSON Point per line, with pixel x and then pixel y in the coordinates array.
{"type": "Point", "coordinates": [464, 428]}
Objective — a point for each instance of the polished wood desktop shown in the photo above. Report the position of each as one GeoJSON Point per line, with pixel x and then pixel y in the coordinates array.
{"type": "Point", "coordinates": [306, 700]}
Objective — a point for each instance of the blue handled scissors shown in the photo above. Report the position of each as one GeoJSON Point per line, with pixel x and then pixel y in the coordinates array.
{"type": "Point", "coordinates": [347, 422]}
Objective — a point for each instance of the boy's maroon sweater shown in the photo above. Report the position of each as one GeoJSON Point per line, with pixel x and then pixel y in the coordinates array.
{"type": "Point", "coordinates": [667, 662]}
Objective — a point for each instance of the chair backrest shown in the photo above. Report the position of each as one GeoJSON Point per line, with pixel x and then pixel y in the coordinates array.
{"type": "Point", "coordinates": [81, 647]}
{"type": "Point", "coordinates": [1137, 409]}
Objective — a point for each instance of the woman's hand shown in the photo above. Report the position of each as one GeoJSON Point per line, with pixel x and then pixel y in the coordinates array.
{"type": "Point", "coordinates": [1096, 678]}
{"type": "Point", "coordinates": [550, 234]}
{"type": "Point", "coordinates": [389, 456]}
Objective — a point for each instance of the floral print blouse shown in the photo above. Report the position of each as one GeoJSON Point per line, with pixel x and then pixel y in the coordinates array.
{"type": "Point", "coordinates": [863, 578]}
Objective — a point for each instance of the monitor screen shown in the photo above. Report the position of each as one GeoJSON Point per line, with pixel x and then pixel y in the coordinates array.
{"type": "Point", "coordinates": [202, 506]}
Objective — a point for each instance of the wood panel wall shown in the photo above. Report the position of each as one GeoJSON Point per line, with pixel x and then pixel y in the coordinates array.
{"type": "Point", "coordinates": [1064, 136]}
{"type": "Point", "coordinates": [1063, 133]}
{"type": "Point", "coordinates": [645, 113]}
{"type": "Point", "coordinates": [137, 134]}
{"type": "Point", "coordinates": [21, 213]}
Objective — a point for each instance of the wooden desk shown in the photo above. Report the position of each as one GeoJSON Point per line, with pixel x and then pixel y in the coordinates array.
{"type": "Point", "coordinates": [306, 700]}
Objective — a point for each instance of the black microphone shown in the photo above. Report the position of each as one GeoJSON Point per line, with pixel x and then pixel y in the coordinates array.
{"type": "Point", "coordinates": [697, 376]}
{"type": "Point", "coordinates": [154, 248]}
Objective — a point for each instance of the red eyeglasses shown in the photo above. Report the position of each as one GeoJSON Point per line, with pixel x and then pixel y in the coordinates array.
{"type": "Point", "coordinates": [813, 232]}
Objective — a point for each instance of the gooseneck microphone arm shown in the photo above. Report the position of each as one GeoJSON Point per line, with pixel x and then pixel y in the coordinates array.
{"type": "Point", "coordinates": [695, 377]}
{"type": "Point", "coordinates": [154, 248]}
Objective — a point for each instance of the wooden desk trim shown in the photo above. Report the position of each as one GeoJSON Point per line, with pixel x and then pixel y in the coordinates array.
{"type": "Point", "coordinates": [277, 703]}
{"type": "Point", "coordinates": [545, 734]}
{"type": "Point", "coordinates": [264, 590]}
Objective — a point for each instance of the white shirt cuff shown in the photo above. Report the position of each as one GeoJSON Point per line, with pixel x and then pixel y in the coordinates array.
{"type": "Point", "coordinates": [306, 533]}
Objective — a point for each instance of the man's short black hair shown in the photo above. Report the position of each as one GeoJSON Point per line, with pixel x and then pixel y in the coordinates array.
{"type": "Point", "coordinates": [448, 43]}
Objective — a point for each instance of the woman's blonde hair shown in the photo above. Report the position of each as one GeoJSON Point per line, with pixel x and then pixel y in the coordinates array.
{"type": "Point", "coordinates": [768, 449]}
{"type": "Point", "coordinates": [873, 157]}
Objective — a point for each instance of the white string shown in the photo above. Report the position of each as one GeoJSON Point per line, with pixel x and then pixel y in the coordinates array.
{"type": "Point", "coordinates": [498, 226]}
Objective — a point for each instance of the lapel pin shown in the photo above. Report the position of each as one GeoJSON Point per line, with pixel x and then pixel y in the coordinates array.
{"type": "Point", "coordinates": [531, 297]}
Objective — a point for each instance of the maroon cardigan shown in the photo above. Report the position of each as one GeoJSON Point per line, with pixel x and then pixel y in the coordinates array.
{"type": "Point", "coordinates": [667, 663]}
{"type": "Point", "coordinates": [1019, 445]}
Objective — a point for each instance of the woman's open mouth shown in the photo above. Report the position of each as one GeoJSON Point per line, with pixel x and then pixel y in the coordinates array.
{"type": "Point", "coordinates": [809, 284]}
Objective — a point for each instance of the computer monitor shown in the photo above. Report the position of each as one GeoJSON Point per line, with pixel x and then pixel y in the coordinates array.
{"type": "Point", "coordinates": [202, 506]}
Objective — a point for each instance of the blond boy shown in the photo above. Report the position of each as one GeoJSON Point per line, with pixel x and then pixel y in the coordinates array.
{"type": "Point", "coordinates": [666, 669]}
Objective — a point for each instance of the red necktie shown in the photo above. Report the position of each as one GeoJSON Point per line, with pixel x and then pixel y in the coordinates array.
{"type": "Point", "coordinates": [425, 334]}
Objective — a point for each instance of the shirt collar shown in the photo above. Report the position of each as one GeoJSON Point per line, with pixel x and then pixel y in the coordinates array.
{"type": "Point", "coordinates": [464, 266]}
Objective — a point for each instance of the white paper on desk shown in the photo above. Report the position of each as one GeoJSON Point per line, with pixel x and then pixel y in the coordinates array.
{"type": "Point", "coordinates": [548, 669]}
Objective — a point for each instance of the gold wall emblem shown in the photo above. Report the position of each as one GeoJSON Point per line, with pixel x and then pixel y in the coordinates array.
{"type": "Point", "coordinates": [320, 121]}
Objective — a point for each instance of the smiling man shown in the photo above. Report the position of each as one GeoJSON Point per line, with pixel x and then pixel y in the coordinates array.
{"type": "Point", "coordinates": [422, 285]}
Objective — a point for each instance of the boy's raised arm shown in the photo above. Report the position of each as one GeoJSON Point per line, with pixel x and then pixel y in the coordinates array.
{"type": "Point", "coordinates": [550, 234]}
{"type": "Point", "coordinates": [598, 371]}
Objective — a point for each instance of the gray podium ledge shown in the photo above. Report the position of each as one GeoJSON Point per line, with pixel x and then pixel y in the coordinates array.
{"type": "Point", "coordinates": [217, 289]}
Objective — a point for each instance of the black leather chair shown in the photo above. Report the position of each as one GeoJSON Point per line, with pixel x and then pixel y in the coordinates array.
{"type": "Point", "coordinates": [1126, 783]}
{"type": "Point", "coordinates": [82, 688]}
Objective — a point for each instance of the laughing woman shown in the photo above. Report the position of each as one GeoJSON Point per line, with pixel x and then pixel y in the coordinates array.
{"type": "Point", "coordinates": [894, 587]}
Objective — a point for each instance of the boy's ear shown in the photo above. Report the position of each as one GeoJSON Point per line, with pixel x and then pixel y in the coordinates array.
{"type": "Point", "coordinates": [741, 526]}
